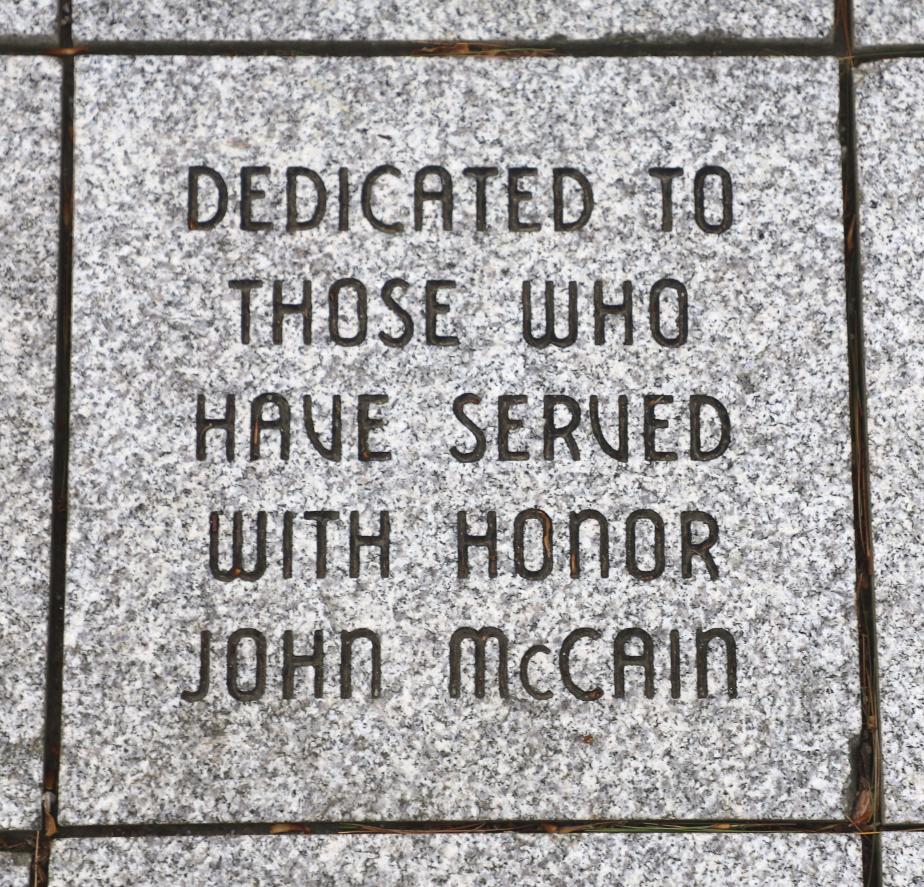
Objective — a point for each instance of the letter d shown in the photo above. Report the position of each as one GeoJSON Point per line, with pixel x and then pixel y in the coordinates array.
{"type": "Point", "coordinates": [196, 173]}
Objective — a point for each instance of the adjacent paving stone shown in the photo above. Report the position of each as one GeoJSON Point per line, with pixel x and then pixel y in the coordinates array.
{"type": "Point", "coordinates": [481, 19]}
{"type": "Point", "coordinates": [14, 869]}
{"type": "Point", "coordinates": [456, 860]}
{"type": "Point", "coordinates": [156, 324]}
{"type": "Point", "coordinates": [890, 126]}
{"type": "Point", "coordinates": [903, 859]}
{"type": "Point", "coordinates": [29, 103]}
{"type": "Point", "coordinates": [879, 22]}
{"type": "Point", "coordinates": [28, 18]}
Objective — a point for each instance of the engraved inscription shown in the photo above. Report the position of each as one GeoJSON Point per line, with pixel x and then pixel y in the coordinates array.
{"type": "Point", "coordinates": [656, 427]}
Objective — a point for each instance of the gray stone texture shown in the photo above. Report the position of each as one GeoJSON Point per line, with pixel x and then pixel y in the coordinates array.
{"type": "Point", "coordinates": [155, 324]}
{"type": "Point", "coordinates": [28, 18]}
{"type": "Point", "coordinates": [878, 22]}
{"type": "Point", "coordinates": [29, 109]}
{"type": "Point", "coordinates": [455, 20]}
{"type": "Point", "coordinates": [462, 861]}
{"type": "Point", "coordinates": [890, 137]}
{"type": "Point", "coordinates": [903, 859]}
{"type": "Point", "coordinates": [14, 869]}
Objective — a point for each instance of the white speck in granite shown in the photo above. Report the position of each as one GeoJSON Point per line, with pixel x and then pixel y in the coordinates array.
{"type": "Point", "coordinates": [903, 859]}
{"type": "Point", "coordinates": [452, 20]}
{"type": "Point", "coordinates": [890, 136]}
{"type": "Point", "coordinates": [155, 324]}
{"type": "Point", "coordinates": [879, 22]}
{"type": "Point", "coordinates": [486, 860]}
{"type": "Point", "coordinates": [28, 18]}
{"type": "Point", "coordinates": [29, 110]}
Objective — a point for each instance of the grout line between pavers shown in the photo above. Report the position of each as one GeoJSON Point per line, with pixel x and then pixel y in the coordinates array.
{"type": "Point", "coordinates": [868, 801]}
{"type": "Point", "coordinates": [866, 54]}
{"type": "Point", "coordinates": [616, 47]}
{"type": "Point", "coordinates": [693, 48]}
{"type": "Point", "coordinates": [625, 47]}
{"type": "Point", "coordinates": [872, 861]}
{"type": "Point", "coordinates": [460, 827]}
{"type": "Point", "coordinates": [17, 840]}
{"type": "Point", "coordinates": [54, 682]}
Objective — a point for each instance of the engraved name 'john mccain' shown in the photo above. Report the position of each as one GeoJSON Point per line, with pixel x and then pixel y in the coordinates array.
{"type": "Point", "coordinates": [252, 665]}
{"type": "Point", "coordinates": [249, 663]}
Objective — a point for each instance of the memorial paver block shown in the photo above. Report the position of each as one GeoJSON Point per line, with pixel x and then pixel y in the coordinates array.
{"type": "Point", "coordinates": [29, 109]}
{"type": "Point", "coordinates": [454, 438]}
{"type": "Point", "coordinates": [880, 22]}
{"type": "Point", "coordinates": [890, 123]}
{"type": "Point", "coordinates": [456, 860]}
{"type": "Point", "coordinates": [28, 18]}
{"type": "Point", "coordinates": [902, 859]}
{"type": "Point", "coordinates": [14, 869]}
{"type": "Point", "coordinates": [479, 20]}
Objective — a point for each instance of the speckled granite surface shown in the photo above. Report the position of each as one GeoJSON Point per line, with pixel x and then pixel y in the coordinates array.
{"type": "Point", "coordinates": [29, 103]}
{"type": "Point", "coordinates": [888, 21]}
{"type": "Point", "coordinates": [481, 19]}
{"type": "Point", "coordinates": [14, 869]}
{"type": "Point", "coordinates": [890, 124]}
{"type": "Point", "coordinates": [551, 861]}
{"type": "Point", "coordinates": [156, 324]}
{"type": "Point", "coordinates": [903, 859]}
{"type": "Point", "coordinates": [28, 18]}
